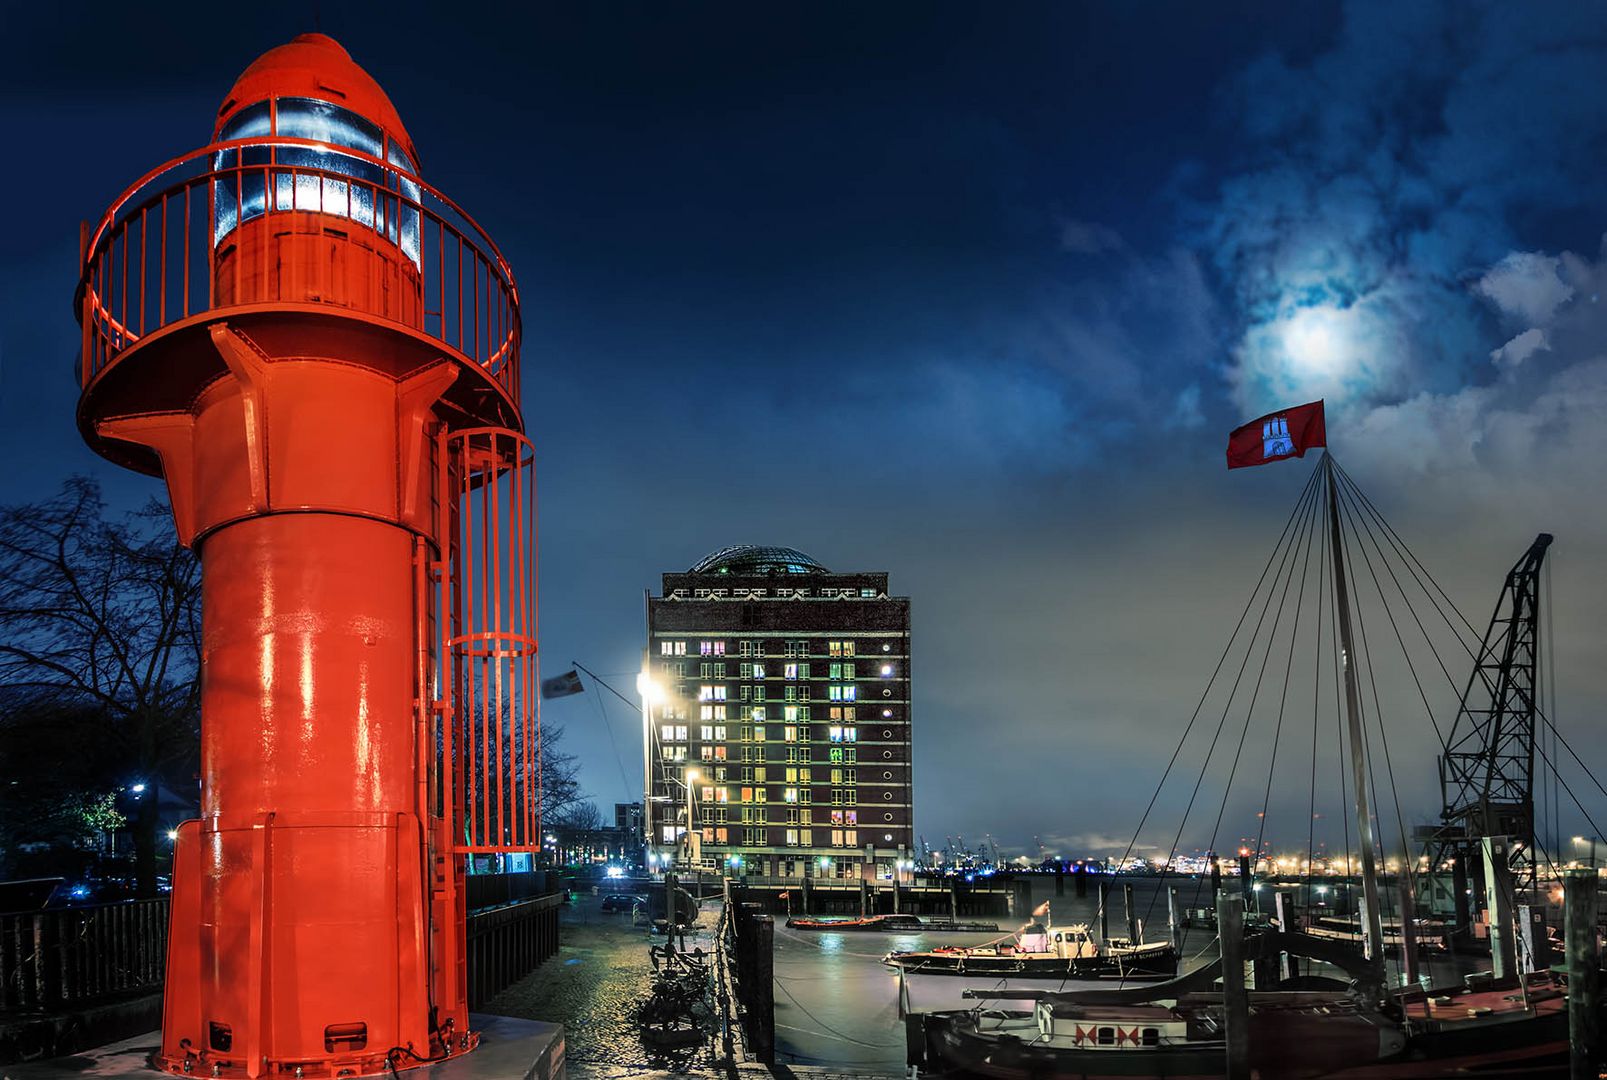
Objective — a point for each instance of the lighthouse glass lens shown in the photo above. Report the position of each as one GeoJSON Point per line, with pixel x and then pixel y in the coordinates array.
{"type": "Point", "coordinates": [251, 122]}
{"type": "Point", "coordinates": [306, 118]}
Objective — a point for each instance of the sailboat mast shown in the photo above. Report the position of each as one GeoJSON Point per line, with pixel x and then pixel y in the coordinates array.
{"type": "Point", "coordinates": [1372, 924]}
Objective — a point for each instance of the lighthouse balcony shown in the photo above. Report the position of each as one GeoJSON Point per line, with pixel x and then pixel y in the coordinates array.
{"type": "Point", "coordinates": [295, 226]}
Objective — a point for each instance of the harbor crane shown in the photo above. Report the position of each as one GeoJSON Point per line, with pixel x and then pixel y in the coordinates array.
{"type": "Point", "coordinates": [1487, 768]}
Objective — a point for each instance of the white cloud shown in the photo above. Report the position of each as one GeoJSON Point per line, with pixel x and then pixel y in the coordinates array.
{"type": "Point", "coordinates": [1527, 286]}
{"type": "Point", "coordinates": [1520, 348]}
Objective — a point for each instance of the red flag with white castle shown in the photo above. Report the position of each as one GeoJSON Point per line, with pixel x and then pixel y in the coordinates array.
{"type": "Point", "coordinates": [1284, 434]}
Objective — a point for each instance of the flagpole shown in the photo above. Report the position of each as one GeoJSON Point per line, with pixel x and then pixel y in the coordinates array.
{"type": "Point", "coordinates": [1372, 924]}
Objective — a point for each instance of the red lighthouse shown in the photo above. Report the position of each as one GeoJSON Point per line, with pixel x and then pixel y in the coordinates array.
{"type": "Point", "coordinates": [319, 353]}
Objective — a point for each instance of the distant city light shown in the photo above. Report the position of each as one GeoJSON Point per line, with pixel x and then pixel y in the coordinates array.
{"type": "Point", "coordinates": [615, 871]}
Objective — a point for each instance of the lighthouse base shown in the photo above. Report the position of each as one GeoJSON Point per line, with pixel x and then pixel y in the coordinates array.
{"type": "Point", "coordinates": [510, 1049]}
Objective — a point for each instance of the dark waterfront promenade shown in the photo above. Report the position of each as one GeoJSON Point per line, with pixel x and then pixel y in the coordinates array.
{"type": "Point", "coordinates": [602, 970]}
{"type": "Point", "coordinates": [836, 1004]}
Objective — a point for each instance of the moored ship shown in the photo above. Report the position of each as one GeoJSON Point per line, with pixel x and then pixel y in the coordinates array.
{"type": "Point", "coordinates": [1043, 951]}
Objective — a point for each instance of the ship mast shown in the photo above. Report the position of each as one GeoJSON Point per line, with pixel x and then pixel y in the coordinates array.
{"type": "Point", "coordinates": [1372, 924]}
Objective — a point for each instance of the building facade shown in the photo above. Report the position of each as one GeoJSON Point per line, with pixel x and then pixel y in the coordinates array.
{"type": "Point", "coordinates": [779, 727]}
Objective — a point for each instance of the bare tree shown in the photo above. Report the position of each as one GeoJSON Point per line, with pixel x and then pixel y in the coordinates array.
{"type": "Point", "coordinates": [100, 618]}
{"type": "Point", "coordinates": [580, 816]}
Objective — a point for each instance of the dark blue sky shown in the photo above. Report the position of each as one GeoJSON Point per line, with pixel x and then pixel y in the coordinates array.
{"type": "Point", "coordinates": [967, 293]}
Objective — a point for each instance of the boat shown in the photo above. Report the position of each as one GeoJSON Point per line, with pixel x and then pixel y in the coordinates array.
{"type": "Point", "coordinates": [1040, 951]}
{"type": "Point", "coordinates": [1324, 1028]}
{"type": "Point", "coordinates": [892, 924]}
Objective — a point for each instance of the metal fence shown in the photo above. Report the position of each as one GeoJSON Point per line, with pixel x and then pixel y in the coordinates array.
{"type": "Point", "coordinates": [506, 943]}
{"type": "Point", "coordinates": [494, 890]}
{"type": "Point", "coordinates": [61, 957]}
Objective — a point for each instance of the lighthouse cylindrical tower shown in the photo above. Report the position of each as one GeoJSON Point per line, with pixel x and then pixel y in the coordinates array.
{"type": "Point", "coordinates": [319, 353]}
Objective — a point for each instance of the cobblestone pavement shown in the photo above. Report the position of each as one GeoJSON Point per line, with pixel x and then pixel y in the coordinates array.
{"type": "Point", "coordinates": [601, 971]}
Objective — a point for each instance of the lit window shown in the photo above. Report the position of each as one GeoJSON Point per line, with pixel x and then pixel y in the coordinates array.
{"type": "Point", "coordinates": [851, 817]}
{"type": "Point", "coordinates": [789, 795]}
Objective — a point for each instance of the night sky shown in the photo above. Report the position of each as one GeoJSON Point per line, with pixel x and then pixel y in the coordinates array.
{"type": "Point", "coordinates": [967, 293]}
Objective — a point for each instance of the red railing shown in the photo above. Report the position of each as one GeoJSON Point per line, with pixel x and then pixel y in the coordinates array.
{"type": "Point", "coordinates": [162, 253]}
{"type": "Point", "coordinates": [489, 741]}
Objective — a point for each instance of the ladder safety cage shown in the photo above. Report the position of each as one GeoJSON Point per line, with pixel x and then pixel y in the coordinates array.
{"type": "Point", "coordinates": [488, 741]}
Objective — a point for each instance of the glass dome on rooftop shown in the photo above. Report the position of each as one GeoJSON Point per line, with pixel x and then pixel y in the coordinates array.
{"type": "Point", "coordinates": [748, 559]}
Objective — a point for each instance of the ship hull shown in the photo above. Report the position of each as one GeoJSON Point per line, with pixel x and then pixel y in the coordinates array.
{"type": "Point", "coordinates": [1533, 1047]}
{"type": "Point", "coordinates": [1148, 966]}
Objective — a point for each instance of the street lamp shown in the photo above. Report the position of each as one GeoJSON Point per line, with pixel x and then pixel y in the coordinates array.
{"type": "Point", "coordinates": [1579, 841]}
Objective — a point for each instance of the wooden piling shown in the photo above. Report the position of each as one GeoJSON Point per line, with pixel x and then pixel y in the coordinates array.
{"type": "Point", "coordinates": [1104, 910]}
{"type": "Point", "coordinates": [1132, 913]}
{"type": "Point", "coordinates": [1283, 908]}
{"type": "Point", "coordinates": [1580, 905]}
{"type": "Point", "coordinates": [1408, 909]}
{"type": "Point", "coordinates": [1173, 922]}
{"type": "Point", "coordinates": [1235, 999]}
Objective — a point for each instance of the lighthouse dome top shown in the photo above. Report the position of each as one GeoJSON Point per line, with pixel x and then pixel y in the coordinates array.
{"type": "Point", "coordinates": [310, 87]}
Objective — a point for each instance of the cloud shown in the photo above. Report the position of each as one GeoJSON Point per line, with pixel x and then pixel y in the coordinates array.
{"type": "Point", "coordinates": [1526, 285]}
{"type": "Point", "coordinates": [1520, 348]}
{"type": "Point", "coordinates": [1374, 180]}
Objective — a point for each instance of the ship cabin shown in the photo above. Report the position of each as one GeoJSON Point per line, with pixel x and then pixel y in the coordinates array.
{"type": "Point", "coordinates": [1071, 942]}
